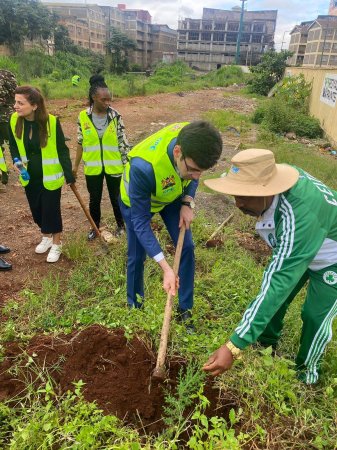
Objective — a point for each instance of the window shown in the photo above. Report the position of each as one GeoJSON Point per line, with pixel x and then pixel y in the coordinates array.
{"type": "Point", "coordinates": [231, 37]}
{"type": "Point", "coordinates": [220, 26]}
{"type": "Point", "coordinates": [258, 27]}
{"type": "Point", "coordinates": [245, 38]}
{"type": "Point", "coordinates": [333, 60]}
{"type": "Point", "coordinates": [233, 26]}
{"type": "Point", "coordinates": [218, 37]}
{"type": "Point", "coordinates": [328, 33]}
{"type": "Point", "coordinates": [194, 25]}
{"type": "Point", "coordinates": [246, 27]}
{"type": "Point", "coordinates": [193, 36]}
{"type": "Point", "coordinates": [207, 25]}
{"type": "Point", "coordinates": [256, 38]}
{"type": "Point", "coordinates": [206, 36]}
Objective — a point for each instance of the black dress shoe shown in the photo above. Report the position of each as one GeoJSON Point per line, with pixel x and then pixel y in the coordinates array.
{"type": "Point", "coordinates": [5, 265]}
{"type": "Point", "coordinates": [185, 318]}
{"type": "Point", "coordinates": [4, 249]}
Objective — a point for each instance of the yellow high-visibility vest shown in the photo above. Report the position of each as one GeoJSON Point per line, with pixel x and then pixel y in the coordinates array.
{"type": "Point", "coordinates": [97, 154]}
{"type": "Point", "coordinates": [169, 185]}
{"type": "Point", "coordinates": [3, 166]}
{"type": "Point", "coordinates": [53, 177]}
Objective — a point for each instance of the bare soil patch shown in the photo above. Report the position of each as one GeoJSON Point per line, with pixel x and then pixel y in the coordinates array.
{"type": "Point", "coordinates": [117, 373]}
{"type": "Point", "coordinates": [142, 117]}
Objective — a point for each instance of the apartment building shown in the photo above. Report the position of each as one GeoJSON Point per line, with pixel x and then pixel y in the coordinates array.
{"type": "Point", "coordinates": [321, 48]}
{"type": "Point", "coordinates": [89, 27]}
{"type": "Point", "coordinates": [298, 43]}
{"type": "Point", "coordinates": [86, 24]}
{"type": "Point", "coordinates": [333, 8]}
{"type": "Point", "coordinates": [210, 42]}
{"type": "Point", "coordinates": [164, 44]}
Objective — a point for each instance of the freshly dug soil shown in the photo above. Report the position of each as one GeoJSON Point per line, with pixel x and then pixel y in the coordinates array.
{"type": "Point", "coordinates": [117, 373]}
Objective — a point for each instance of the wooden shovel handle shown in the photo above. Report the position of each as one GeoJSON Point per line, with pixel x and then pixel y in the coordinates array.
{"type": "Point", "coordinates": [168, 307]}
{"type": "Point", "coordinates": [86, 212]}
{"type": "Point", "coordinates": [228, 219]}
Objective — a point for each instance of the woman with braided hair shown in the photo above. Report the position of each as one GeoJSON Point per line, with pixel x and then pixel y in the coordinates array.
{"type": "Point", "coordinates": [103, 146]}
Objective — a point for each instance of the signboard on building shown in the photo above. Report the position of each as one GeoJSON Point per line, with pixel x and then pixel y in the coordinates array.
{"type": "Point", "coordinates": [329, 90]}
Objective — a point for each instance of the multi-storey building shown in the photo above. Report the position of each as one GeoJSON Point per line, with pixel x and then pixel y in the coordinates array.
{"type": "Point", "coordinates": [298, 43]}
{"type": "Point", "coordinates": [164, 44]}
{"type": "Point", "coordinates": [89, 27]}
{"type": "Point", "coordinates": [210, 42]}
{"type": "Point", "coordinates": [321, 48]}
{"type": "Point", "coordinates": [86, 24]}
{"type": "Point", "coordinates": [333, 8]}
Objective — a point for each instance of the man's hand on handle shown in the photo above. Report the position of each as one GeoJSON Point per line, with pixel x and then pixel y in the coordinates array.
{"type": "Point", "coordinates": [170, 280]}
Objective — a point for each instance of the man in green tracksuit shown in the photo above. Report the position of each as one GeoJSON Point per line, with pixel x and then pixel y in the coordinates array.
{"type": "Point", "coordinates": [297, 217]}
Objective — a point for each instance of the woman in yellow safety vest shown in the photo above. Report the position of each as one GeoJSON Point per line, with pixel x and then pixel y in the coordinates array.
{"type": "Point", "coordinates": [103, 146]}
{"type": "Point", "coordinates": [36, 138]}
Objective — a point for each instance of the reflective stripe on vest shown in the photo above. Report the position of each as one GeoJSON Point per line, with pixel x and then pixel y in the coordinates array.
{"type": "Point", "coordinates": [3, 166]}
{"type": "Point", "coordinates": [95, 155]}
{"type": "Point", "coordinates": [169, 186]}
{"type": "Point", "coordinates": [53, 177]}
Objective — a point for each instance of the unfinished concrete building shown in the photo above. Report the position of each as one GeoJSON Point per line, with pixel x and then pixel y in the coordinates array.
{"type": "Point", "coordinates": [298, 43]}
{"type": "Point", "coordinates": [321, 48]}
{"type": "Point", "coordinates": [85, 23]}
{"type": "Point", "coordinates": [210, 42]}
{"type": "Point", "coordinates": [164, 44]}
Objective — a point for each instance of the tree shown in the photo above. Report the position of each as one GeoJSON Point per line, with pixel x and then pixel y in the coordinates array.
{"type": "Point", "coordinates": [62, 41]}
{"type": "Point", "coordinates": [269, 71]}
{"type": "Point", "coordinates": [118, 45]}
{"type": "Point", "coordinates": [20, 19]}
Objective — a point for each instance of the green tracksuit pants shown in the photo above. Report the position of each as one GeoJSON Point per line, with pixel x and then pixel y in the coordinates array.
{"type": "Point", "coordinates": [318, 311]}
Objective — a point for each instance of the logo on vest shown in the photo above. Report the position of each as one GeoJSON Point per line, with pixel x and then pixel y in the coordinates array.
{"type": "Point", "coordinates": [330, 277]}
{"type": "Point", "coordinates": [155, 144]}
{"type": "Point", "coordinates": [167, 183]}
{"type": "Point", "coordinates": [272, 240]}
{"type": "Point", "coordinates": [235, 169]}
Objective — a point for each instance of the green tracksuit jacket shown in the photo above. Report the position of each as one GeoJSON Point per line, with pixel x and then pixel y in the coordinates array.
{"type": "Point", "coordinates": [301, 226]}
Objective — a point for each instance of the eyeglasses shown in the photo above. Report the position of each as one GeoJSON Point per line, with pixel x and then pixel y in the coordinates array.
{"type": "Point", "coordinates": [191, 170]}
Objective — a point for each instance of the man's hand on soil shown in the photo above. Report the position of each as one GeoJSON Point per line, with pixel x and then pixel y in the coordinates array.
{"type": "Point", "coordinates": [219, 362]}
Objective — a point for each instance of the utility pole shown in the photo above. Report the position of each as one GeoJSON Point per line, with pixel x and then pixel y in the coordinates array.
{"type": "Point", "coordinates": [238, 42]}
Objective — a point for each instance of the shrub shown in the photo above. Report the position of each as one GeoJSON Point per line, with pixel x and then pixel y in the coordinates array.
{"type": "Point", "coordinates": [279, 117]}
{"type": "Point", "coordinates": [268, 72]}
{"type": "Point", "coordinates": [295, 91]}
{"type": "Point", "coordinates": [225, 76]}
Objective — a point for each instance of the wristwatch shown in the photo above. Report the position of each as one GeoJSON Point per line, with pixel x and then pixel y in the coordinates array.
{"type": "Point", "coordinates": [235, 351]}
{"type": "Point", "coordinates": [190, 203]}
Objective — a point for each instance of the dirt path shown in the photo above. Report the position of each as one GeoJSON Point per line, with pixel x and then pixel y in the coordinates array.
{"type": "Point", "coordinates": [142, 116]}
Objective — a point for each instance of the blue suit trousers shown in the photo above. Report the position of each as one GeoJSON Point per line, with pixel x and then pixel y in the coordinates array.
{"type": "Point", "coordinates": [137, 255]}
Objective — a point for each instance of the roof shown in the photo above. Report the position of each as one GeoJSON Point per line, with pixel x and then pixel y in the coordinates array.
{"type": "Point", "coordinates": [325, 22]}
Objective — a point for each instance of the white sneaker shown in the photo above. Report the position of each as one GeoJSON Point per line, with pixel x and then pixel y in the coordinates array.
{"type": "Point", "coordinates": [44, 245]}
{"type": "Point", "coordinates": [54, 253]}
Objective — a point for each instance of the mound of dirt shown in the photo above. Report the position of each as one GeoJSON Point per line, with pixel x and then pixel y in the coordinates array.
{"type": "Point", "coordinates": [117, 373]}
{"type": "Point", "coordinates": [255, 245]}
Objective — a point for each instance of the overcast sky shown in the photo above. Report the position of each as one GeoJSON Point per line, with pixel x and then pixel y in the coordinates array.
{"type": "Point", "coordinates": [290, 12]}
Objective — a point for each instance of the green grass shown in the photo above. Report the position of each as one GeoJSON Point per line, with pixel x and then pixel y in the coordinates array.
{"type": "Point", "coordinates": [226, 279]}
{"type": "Point", "coordinates": [272, 409]}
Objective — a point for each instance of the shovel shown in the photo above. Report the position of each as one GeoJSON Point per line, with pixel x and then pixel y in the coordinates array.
{"type": "Point", "coordinates": [92, 223]}
{"type": "Point", "coordinates": [159, 371]}
{"type": "Point", "coordinates": [211, 242]}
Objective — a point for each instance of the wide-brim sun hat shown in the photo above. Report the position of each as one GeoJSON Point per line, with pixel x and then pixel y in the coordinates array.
{"type": "Point", "coordinates": [254, 173]}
